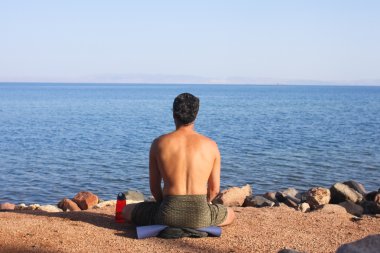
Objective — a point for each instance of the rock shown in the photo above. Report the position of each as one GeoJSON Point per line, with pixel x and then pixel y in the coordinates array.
{"type": "Point", "coordinates": [370, 207]}
{"type": "Point", "coordinates": [332, 208]}
{"type": "Point", "coordinates": [32, 207]}
{"type": "Point", "coordinates": [341, 192]}
{"type": "Point", "coordinates": [317, 196]}
{"type": "Point", "coordinates": [377, 199]}
{"type": "Point", "coordinates": [352, 208]}
{"type": "Point", "coordinates": [291, 202]}
{"type": "Point", "coordinates": [257, 201]}
{"type": "Point", "coordinates": [233, 196]}
{"type": "Point", "coordinates": [287, 200]}
{"type": "Point", "coordinates": [369, 244]}
{"type": "Point", "coordinates": [21, 206]}
{"type": "Point", "coordinates": [49, 209]}
{"type": "Point", "coordinates": [292, 192]}
{"type": "Point", "coordinates": [105, 203]}
{"type": "Point", "coordinates": [356, 186]}
{"type": "Point", "coordinates": [280, 197]}
{"type": "Point", "coordinates": [371, 196]}
{"type": "Point", "coordinates": [85, 200]}
{"type": "Point", "coordinates": [134, 196]}
{"type": "Point", "coordinates": [289, 251]}
{"type": "Point", "coordinates": [270, 196]}
{"type": "Point", "coordinates": [150, 199]}
{"type": "Point", "coordinates": [304, 207]}
{"type": "Point", "coordinates": [67, 204]}
{"type": "Point", "coordinates": [7, 206]}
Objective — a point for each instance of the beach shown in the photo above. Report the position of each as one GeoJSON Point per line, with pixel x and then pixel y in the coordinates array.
{"type": "Point", "coordinates": [267, 229]}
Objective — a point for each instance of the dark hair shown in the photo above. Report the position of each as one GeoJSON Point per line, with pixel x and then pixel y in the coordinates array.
{"type": "Point", "coordinates": [185, 108]}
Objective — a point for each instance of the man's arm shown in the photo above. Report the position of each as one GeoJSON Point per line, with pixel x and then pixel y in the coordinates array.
{"type": "Point", "coordinates": [213, 186]}
{"type": "Point", "coordinates": [154, 173]}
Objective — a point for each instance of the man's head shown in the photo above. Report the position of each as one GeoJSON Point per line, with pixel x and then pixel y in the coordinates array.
{"type": "Point", "coordinates": [185, 108]}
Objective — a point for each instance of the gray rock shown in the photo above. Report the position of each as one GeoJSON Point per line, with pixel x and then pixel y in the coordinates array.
{"type": "Point", "coordinates": [369, 244]}
{"type": "Point", "coordinates": [257, 201]}
{"type": "Point", "coordinates": [317, 196]}
{"type": "Point", "coordinates": [352, 208]}
{"type": "Point", "coordinates": [370, 207]}
{"type": "Point", "coordinates": [287, 200]}
{"type": "Point", "coordinates": [234, 196]}
{"type": "Point", "coordinates": [341, 192]}
{"type": "Point", "coordinates": [292, 192]}
{"type": "Point", "coordinates": [134, 196]}
{"type": "Point", "coordinates": [271, 196]}
{"type": "Point", "coordinates": [356, 186]}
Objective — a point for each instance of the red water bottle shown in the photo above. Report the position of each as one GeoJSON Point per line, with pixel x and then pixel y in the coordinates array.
{"type": "Point", "coordinates": [120, 204]}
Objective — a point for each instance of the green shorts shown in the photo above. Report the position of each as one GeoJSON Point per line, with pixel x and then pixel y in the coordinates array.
{"type": "Point", "coordinates": [190, 211]}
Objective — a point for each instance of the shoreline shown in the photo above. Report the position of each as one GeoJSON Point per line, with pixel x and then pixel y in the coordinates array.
{"type": "Point", "coordinates": [270, 222]}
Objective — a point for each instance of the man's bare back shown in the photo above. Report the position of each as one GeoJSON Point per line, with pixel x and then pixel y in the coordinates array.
{"type": "Point", "coordinates": [188, 163]}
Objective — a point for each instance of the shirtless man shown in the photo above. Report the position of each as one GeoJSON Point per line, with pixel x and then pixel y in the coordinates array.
{"type": "Point", "coordinates": [189, 165]}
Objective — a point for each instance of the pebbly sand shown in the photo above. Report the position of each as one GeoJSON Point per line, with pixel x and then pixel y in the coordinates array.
{"type": "Point", "coordinates": [255, 230]}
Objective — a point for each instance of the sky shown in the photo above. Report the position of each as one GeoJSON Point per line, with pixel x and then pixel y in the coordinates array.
{"type": "Point", "coordinates": [191, 41]}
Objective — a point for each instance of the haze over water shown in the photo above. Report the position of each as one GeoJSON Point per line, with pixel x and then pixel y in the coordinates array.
{"type": "Point", "coordinates": [58, 139]}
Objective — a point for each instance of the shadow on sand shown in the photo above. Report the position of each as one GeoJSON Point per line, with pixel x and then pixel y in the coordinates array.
{"type": "Point", "coordinates": [96, 219]}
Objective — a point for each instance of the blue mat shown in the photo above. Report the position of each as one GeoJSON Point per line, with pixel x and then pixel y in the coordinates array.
{"type": "Point", "coordinates": [154, 230]}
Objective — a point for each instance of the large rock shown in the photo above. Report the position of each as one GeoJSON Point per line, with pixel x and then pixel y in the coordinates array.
{"type": "Point", "coordinates": [332, 208]}
{"type": "Point", "coordinates": [233, 196]}
{"type": "Point", "coordinates": [352, 208]}
{"type": "Point", "coordinates": [67, 204]}
{"type": "Point", "coordinates": [7, 206]}
{"type": "Point", "coordinates": [317, 196]}
{"type": "Point", "coordinates": [49, 209]}
{"type": "Point", "coordinates": [86, 200]}
{"type": "Point", "coordinates": [135, 196]}
{"type": "Point", "coordinates": [356, 186]}
{"type": "Point", "coordinates": [257, 201]}
{"type": "Point", "coordinates": [369, 244]}
{"type": "Point", "coordinates": [341, 192]}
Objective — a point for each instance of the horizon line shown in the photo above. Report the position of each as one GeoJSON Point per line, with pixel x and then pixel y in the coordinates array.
{"type": "Point", "coordinates": [205, 84]}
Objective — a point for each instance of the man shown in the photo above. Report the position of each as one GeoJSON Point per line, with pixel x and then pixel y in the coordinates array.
{"type": "Point", "coordinates": [189, 165]}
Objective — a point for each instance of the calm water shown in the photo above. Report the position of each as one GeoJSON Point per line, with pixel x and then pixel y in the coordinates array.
{"type": "Point", "coordinates": [56, 140]}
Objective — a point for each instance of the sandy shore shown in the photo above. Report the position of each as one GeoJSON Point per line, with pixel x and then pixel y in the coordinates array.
{"type": "Point", "coordinates": [255, 230]}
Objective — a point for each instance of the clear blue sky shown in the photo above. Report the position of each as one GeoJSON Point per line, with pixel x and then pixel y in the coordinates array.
{"type": "Point", "coordinates": [199, 41]}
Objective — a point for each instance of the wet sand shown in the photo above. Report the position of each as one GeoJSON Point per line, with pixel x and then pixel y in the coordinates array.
{"type": "Point", "coordinates": [255, 230]}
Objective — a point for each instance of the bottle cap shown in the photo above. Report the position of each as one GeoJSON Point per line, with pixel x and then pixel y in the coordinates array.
{"type": "Point", "coordinates": [121, 196]}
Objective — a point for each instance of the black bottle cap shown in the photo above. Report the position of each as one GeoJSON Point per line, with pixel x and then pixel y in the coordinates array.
{"type": "Point", "coordinates": [121, 196]}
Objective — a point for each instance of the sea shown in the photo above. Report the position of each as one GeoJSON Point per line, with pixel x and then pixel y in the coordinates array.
{"type": "Point", "coordinates": [59, 139]}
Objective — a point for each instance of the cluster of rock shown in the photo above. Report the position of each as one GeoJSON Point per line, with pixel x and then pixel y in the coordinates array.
{"type": "Point", "coordinates": [348, 197]}
{"type": "Point", "coordinates": [82, 201]}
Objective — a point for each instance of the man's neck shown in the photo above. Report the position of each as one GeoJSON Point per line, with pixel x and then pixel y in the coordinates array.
{"type": "Point", "coordinates": [187, 128]}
